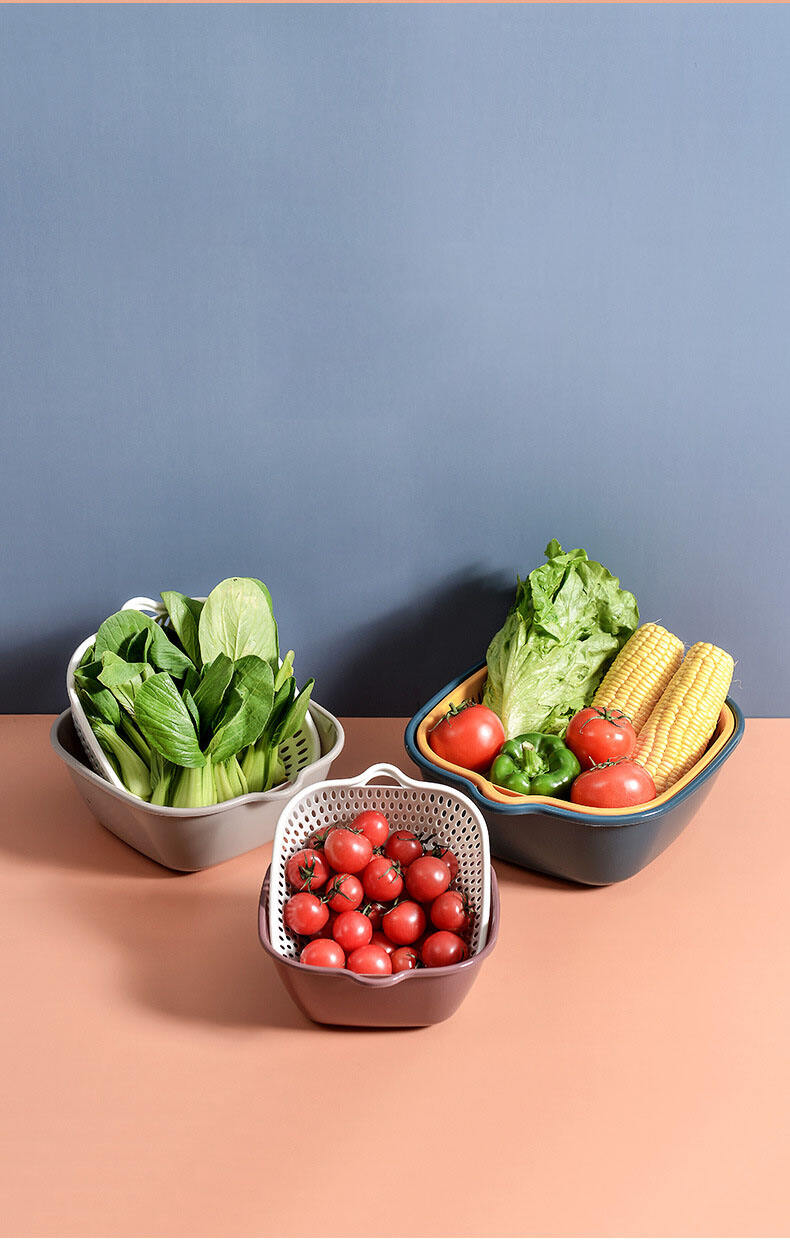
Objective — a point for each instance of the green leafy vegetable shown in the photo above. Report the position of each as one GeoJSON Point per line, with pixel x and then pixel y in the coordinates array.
{"type": "Point", "coordinates": [249, 705]}
{"type": "Point", "coordinates": [184, 618]}
{"type": "Point", "coordinates": [237, 620]}
{"type": "Point", "coordinates": [121, 633]}
{"type": "Point", "coordinates": [194, 709]}
{"type": "Point", "coordinates": [567, 624]}
{"type": "Point", "coordinates": [166, 722]}
{"type": "Point", "coordinates": [119, 629]}
{"type": "Point", "coordinates": [164, 654]}
{"type": "Point", "coordinates": [123, 678]}
{"type": "Point", "coordinates": [212, 688]}
{"type": "Point", "coordinates": [133, 770]}
{"type": "Point", "coordinates": [295, 715]}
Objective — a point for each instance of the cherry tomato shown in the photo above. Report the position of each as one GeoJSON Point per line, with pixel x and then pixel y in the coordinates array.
{"type": "Point", "coordinates": [382, 940]}
{"type": "Point", "coordinates": [318, 838]}
{"type": "Point", "coordinates": [403, 958]}
{"type": "Point", "coordinates": [382, 879]}
{"type": "Point", "coordinates": [375, 911]}
{"type": "Point", "coordinates": [403, 846]}
{"type": "Point", "coordinates": [373, 825]}
{"type": "Point", "coordinates": [427, 878]}
{"type": "Point", "coordinates": [323, 952]}
{"type": "Point", "coordinates": [305, 913]}
{"type": "Point", "coordinates": [347, 851]}
{"type": "Point", "coordinates": [443, 948]}
{"type": "Point", "coordinates": [343, 892]}
{"type": "Point", "coordinates": [600, 735]}
{"type": "Point", "coordinates": [469, 735]}
{"type": "Point", "coordinates": [370, 959]}
{"type": "Point", "coordinates": [614, 785]}
{"type": "Point", "coordinates": [405, 923]}
{"type": "Point", "coordinates": [307, 870]}
{"type": "Point", "coordinates": [449, 857]}
{"type": "Point", "coordinates": [449, 911]}
{"type": "Point", "coordinates": [351, 929]}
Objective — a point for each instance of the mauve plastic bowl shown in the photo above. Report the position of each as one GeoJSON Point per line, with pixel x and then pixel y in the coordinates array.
{"type": "Point", "coordinates": [574, 843]}
{"type": "Point", "coordinates": [415, 997]}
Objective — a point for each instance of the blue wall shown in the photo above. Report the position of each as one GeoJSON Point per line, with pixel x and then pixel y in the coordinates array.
{"type": "Point", "coordinates": [371, 302]}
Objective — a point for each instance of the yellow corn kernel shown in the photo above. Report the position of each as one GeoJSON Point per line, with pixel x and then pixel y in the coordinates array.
{"type": "Point", "coordinates": [678, 731]}
{"type": "Point", "coordinates": [639, 674]}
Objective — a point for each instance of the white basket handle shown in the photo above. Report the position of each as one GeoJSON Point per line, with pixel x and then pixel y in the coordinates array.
{"type": "Point", "coordinates": [385, 768]}
{"type": "Point", "coordinates": [146, 604]}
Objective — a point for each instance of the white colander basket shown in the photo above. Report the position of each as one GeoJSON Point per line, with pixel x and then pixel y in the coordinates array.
{"type": "Point", "coordinates": [302, 750]}
{"type": "Point", "coordinates": [435, 814]}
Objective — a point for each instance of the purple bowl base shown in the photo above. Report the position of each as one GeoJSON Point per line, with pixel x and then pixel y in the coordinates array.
{"type": "Point", "coordinates": [407, 1000]}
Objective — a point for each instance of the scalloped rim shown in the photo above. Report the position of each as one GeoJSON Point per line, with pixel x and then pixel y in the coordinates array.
{"type": "Point", "coordinates": [281, 793]}
{"type": "Point", "coordinates": [728, 734]}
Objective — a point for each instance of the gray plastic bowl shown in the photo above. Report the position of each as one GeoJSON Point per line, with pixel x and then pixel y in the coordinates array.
{"type": "Point", "coordinates": [415, 997]}
{"type": "Point", "coordinates": [190, 839]}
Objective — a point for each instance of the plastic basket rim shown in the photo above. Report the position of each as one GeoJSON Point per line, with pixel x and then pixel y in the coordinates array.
{"type": "Point", "coordinates": [283, 792]}
{"type": "Point", "coordinates": [354, 782]}
{"type": "Point", "coordinates": [380, 981]}
{"type": "Point", "coordinates": [600, 821]}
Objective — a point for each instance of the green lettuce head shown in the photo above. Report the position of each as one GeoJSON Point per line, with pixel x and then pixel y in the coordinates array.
{"type": "Point", "coordinates": [569, 621]}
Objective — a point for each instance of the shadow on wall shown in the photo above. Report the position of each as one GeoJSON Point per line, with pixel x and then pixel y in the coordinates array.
{"type": "Point", "coordinates": [33, 672]}
{"type": "Point", "coordinates": [391, 665]}
{"type": "Point", "coordinates": [394, 664]}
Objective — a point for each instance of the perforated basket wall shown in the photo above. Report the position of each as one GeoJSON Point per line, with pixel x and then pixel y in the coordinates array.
{"type": "Point", "coordinates": [430, 811]}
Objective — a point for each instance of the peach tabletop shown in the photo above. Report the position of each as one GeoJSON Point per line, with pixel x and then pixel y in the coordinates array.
{"type": "Point", "coordinates": [620, 1067]}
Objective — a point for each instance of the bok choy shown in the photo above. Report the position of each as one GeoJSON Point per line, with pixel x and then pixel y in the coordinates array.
{"type": "Point", "coordinates": [194, 710]}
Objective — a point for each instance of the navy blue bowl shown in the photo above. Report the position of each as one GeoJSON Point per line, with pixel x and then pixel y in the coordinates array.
{"type": "Point", "coordinates": [583, 847]}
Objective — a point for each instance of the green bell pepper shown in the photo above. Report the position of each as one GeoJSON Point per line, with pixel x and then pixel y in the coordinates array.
{"type": "Point", "coordinates": [535, 765]}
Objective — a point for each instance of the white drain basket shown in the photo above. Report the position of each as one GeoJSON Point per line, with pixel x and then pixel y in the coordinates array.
{"type": "Point", "coordinates": [302, 750]}
{"type": "Point", "coordinates": [432, 812]}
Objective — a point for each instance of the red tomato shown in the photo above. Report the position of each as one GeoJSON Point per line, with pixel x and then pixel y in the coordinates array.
{"type": "Point", "coordinates": [318, 838]}
{"type": "Point", "coordinates": [600, 735]}
{"type": "Point", "coordinates": [403, 958]}
{"type": "Point", "coordinates": [375, 911]}
{"type": "Point", "coordinates": [469, 735]}
{"type": "Point", "coordinates": [614, 785]}
{"type": "Point", "coordinates": [343, 892]}
{"type": "Point", "coordinates": [405, 923]}
{"type": "Point", "coordinates": [370, 959]}
{"type": "Point", "coordinates": [347, 851]}
{"type": "Point", "coordinates": [304, 913]}
{"type": "Point", "coordinates": [448, 856]}
{"type": "Point", "coordinates": [323, 952]}
{"type": "Point", "coordinates": [381, 940]}
{"type": "Point", "coordinates": [373, 825]}
{"type": "Point", "coordinates": [351, 929]}
{"type": "Point", "coordinates": [307, 870]}
{"type": "Point", "coordinates": [450, 911]}
{"type": "Point", "coordinates": [427, 878]}
{"type": "Point", "coordinates": [403, 846]}
{"type": "Point", "coordinates": [382, 879]}
{"type": "Point", "coordinates": [443, 948]}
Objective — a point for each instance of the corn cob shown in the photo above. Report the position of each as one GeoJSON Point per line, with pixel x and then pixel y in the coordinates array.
{"type": "Point", "coordinates": [640, 673]}
{"type": "Point", "coordinates": [680, 727]}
